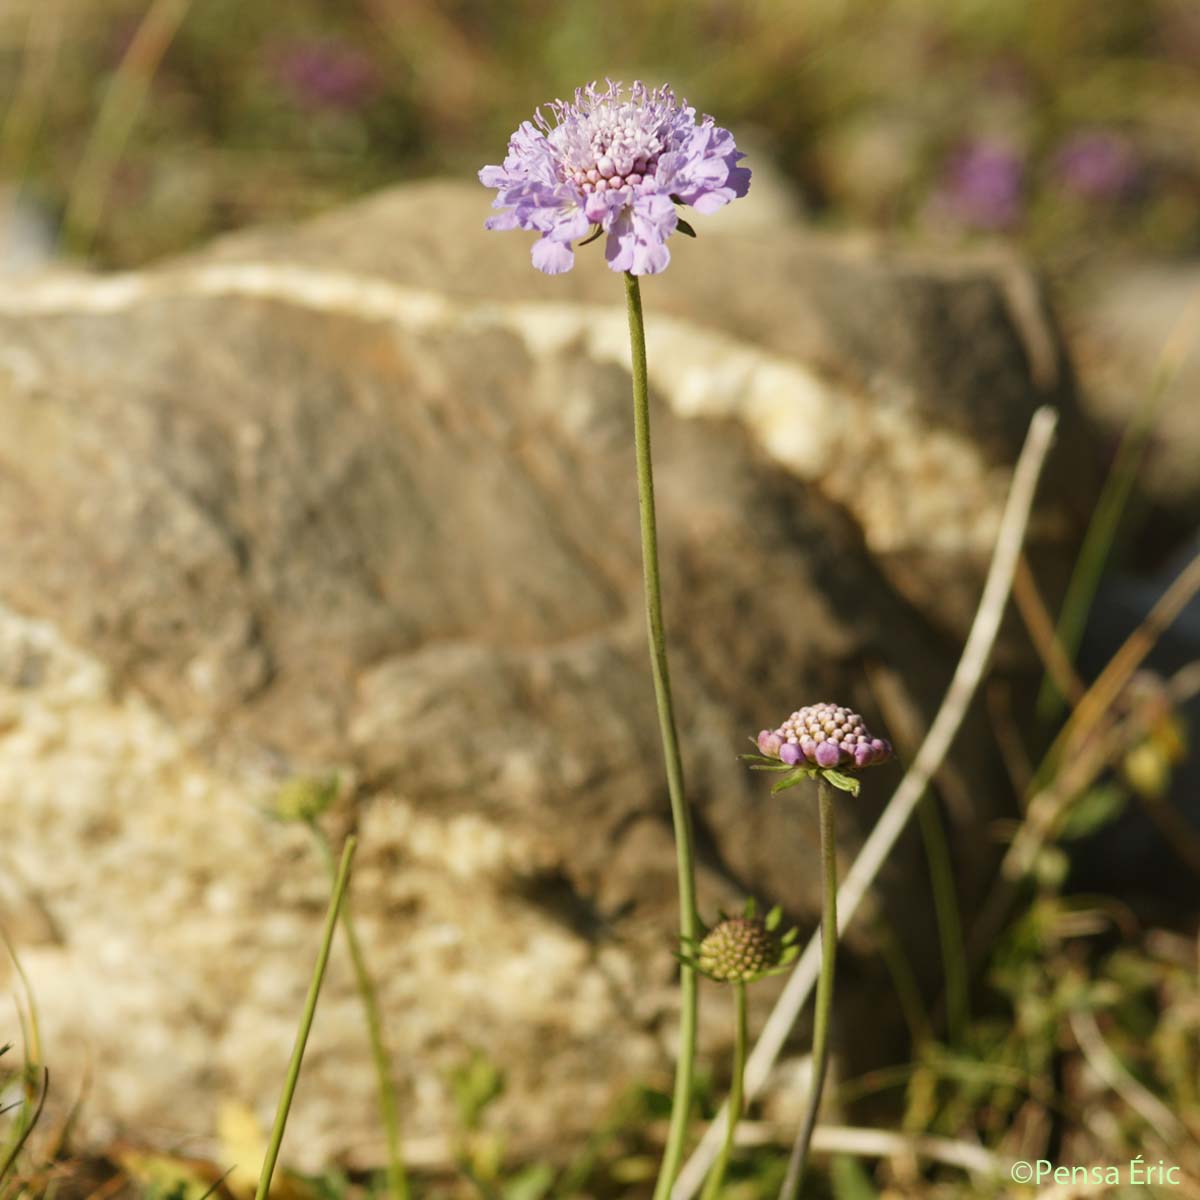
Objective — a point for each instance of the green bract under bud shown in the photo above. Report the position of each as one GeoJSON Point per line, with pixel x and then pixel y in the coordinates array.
{"type": "Point", "coordinates": [305, 798]}
{"type": "Point", "coordinates": [742, 949]}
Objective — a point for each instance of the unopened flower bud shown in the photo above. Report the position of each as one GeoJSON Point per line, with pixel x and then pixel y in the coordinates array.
{"type": "Point", "coordinates": [826, 735]}
{"type": "Point", "coordinates": [770, 743]}
{"type": "Point", "coordinates": [827, 754]}
{"type": "Point", "coordinates": [305, 798]}
{"type": "Point", "coordinates": [738, 949]}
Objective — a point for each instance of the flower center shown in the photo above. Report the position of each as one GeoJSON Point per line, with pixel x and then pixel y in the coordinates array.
{"type": "Point", "coordinates": [614, 146]}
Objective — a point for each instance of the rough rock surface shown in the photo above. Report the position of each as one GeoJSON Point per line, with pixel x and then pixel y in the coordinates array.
{"type": "Point", "coordinates": [359, 495]}
{"type": "Point", "coordinates": [1138, 329]}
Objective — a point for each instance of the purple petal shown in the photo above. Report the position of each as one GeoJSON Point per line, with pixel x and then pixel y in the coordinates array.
{"type": "Point", "coordinates": [503, 220]}
{"type": "Point", "coordinates": [552, 257]}
{"type": "Point", "coordinates": [769, 743]}
{"type": "Point", "coordinates": [789, 753]}
{"type": "Point", "coordinates": [738, 181]}
{"type": "Point", "coordinates": [569, 225]}
{"type": "Point", "coordinates": [603, 207]}
{"type": "Point", "coordinates": [618, 247]}
{"type": "Point", "coordinates": [703, 172]}
{"type": "Point", "coordinates": [637, 235]}
{"type": "Point", "coordinates": [828, 755]}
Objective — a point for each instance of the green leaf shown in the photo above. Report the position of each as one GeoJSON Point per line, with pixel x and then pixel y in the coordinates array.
{"type": "Point", "coordinates": [684, 227]}
{"type": "Point", "coordinates": [597, 230]}
{"type": "Point", "coordinates": [532, 1183]}
{"type": "Point", "coordinates": [795, 776]}
{"type": "Point", "coordinates": [772, 919]}
{"type": "Point", "coordinates": [750, 908]}
{"type": "Point", "coordinates": [844, 783]}
{"type": "Point", "coordinates": [1093, 810]}
{"type": "Point", "coordinates": [849, 1180]}
{"type": "Point", "coordinates": [474, 1085]}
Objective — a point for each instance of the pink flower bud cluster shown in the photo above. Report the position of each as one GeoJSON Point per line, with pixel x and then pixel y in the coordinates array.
{"type": "Point", "coordinates": [825, 735]}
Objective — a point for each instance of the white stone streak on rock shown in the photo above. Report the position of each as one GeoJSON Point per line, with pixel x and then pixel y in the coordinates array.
{"type": "Point", "coordinates": [873, 454]}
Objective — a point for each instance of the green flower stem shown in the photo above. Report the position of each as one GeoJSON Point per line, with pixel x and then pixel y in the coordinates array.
{"type": "Point", "coordinates": [681, 1105]}
{"type": "Point", "coordinates": [820, 1051]}
{"type": "Point", "coordinates": [712, 1187]}
{"type": "Point", "coordinates": [389, 1109]}
{"type": "Point", "coordinates": [306, 1020]}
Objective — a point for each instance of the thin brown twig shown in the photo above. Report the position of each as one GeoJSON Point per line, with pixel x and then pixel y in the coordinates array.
{"type": "Point", "coordinates": [1101, 695]}
{"type": "Point", "coordinates": [110, 1187]}
{"type": "Point", "coordinates": [1049, 806]}
{"type": "Point", "coordinates": [1178, 832]}
{"type": "Point", "coordinates": [1015, 756]}
{"type": "Point", "coordinates": [1042, 633]}
{"type": "Point", "coordinates": [1085, 745]}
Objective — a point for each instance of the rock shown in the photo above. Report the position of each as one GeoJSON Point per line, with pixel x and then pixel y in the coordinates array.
{"type": "Point", "coordinates": [1132, 322]}
{"type": "Point", "coordinates": [359, 495]}
{"type": "Point", "coordinates": [26, 234]}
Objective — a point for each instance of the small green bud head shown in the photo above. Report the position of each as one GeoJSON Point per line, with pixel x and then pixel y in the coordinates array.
{"type": "Point", "coordinates": [738, 949]}
{"type": "Point", "coordinates": [305, 798]}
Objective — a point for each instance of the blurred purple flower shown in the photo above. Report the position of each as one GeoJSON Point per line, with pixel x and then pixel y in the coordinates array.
{"type": "Point", "coordinates": [617, 164]}
{"type": "Point", "coordinates": [326, 74]}
{"type": "Point", "coordinates": [983, 185]}
{"type": "Point", "coordinates": [1097, 164]}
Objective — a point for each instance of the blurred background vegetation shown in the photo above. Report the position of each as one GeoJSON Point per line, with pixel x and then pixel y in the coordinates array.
{"type": "Point", "coordinates": [139, 129]}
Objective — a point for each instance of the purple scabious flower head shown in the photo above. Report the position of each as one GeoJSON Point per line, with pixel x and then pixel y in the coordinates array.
{"type": "Point", "coordinates": [613, 163]}
{"type": "Point", "coordinates": [326, 74]}
{"type": "Point", "coordinates": [983, 186]}
{"type": "Point", "coordinates": [825, 735]}
{"type": "Point", "coordinates": [1097, 164]}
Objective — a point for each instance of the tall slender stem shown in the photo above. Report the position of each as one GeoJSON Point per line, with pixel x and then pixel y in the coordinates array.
{"type": "Point", "coordinates": [306, 1020]}
{"type": "Point", "coordinates": [389, 1109]}
{"type": "Point", "coordinates": [712, 1187]}
{"type": "Point", "coordinates": [688, 924]}
{"type": "Point", "coordinates": [820, 1050]}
